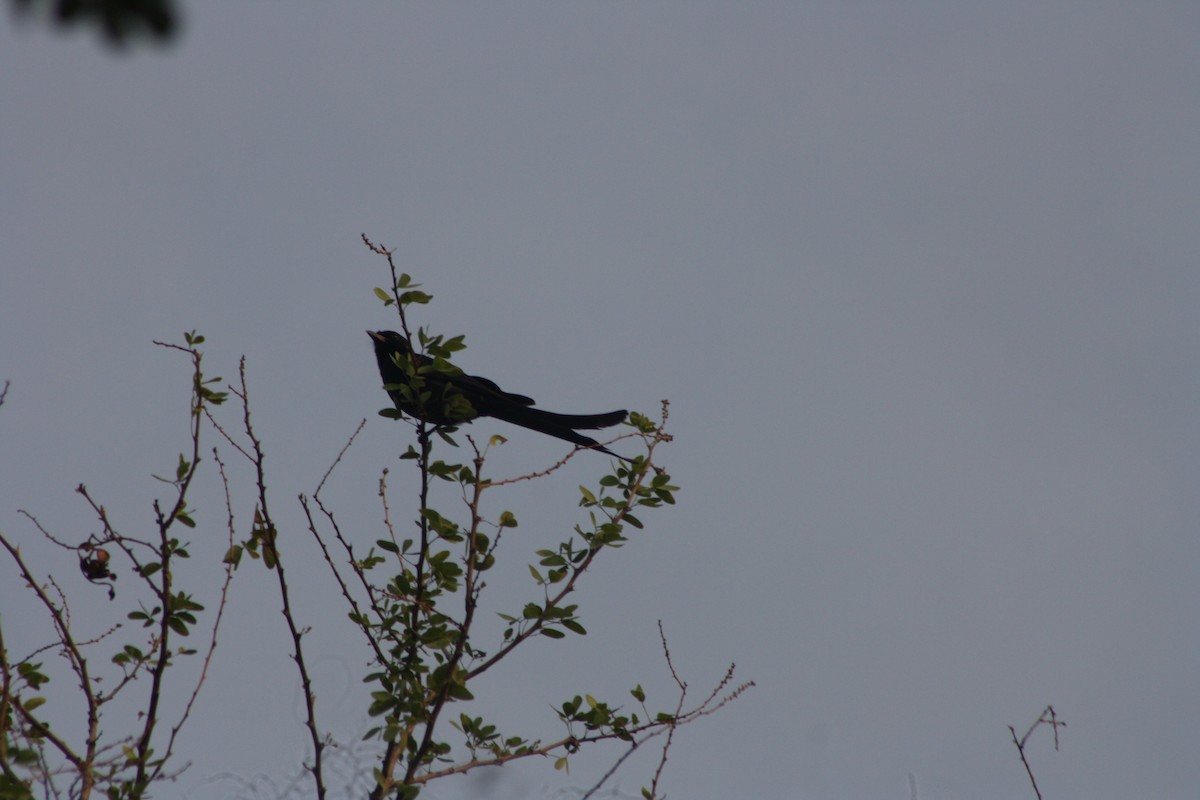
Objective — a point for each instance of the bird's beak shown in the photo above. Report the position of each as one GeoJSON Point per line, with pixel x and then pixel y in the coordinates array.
{"type": "Point", "coordinates": [376, 335]}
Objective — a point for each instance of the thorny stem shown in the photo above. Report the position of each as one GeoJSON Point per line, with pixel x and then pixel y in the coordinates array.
{"type": "Point", "coordinates": [652, 728]}
{"type": "Point", "coordinates": [212, 645]}
{"type": "Point", "coordinates": [78, 664]}
{"type": "Point", "coordinates": [270, 545]}
{"type": "Point", "coordinates": [163, 589]}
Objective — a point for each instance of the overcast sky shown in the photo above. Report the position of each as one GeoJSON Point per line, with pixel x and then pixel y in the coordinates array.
{"type": "Point", "coordinates": [920, 280]}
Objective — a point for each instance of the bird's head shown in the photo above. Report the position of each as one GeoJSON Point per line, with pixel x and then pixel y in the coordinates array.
{"type": "Point", "coordinates": [388, 342]}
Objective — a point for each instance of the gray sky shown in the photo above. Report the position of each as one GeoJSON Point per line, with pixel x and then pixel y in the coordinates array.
{"type": "Point", "coordinates": [920, 281]}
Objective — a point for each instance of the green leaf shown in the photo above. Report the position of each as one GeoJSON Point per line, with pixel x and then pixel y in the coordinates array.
{"type": "Point", "coordinates": [458, 691]}
{"type": "Point", "coordinates": [384, 296]}
{"type": "Point", "coordinates": [507, 520]}
{"type": "Point", "coordinates": [34, 702]}
{"type": "Point", "coordinates": [641, 422]}
{"type": "Point", "coordinates": [415, 296]}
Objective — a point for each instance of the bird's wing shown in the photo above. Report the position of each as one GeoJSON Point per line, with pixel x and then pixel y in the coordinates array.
{"type": "Point", "coordinates": [473, 384]}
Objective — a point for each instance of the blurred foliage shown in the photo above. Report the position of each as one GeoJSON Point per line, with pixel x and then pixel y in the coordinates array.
{"type": "Point", "coordinates": [119, 22]}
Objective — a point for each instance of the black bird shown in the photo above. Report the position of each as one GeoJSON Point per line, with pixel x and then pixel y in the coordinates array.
{"type": "Point", "coordinates": [444, 392]}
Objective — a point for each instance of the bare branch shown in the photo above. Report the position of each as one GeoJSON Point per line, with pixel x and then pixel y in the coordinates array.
{"type": "Point", "coordinates": [269, 541]}
{"type": "Point", "coordinates": [1047, 717]}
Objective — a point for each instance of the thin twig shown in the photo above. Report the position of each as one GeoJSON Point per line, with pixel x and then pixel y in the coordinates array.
{"type": "Point", "coordinates": [662, 761]}
{"type": "Point", "coordinates": [78, 665]}
{"type": "Point", "coordinates": [341, 453]}
{"type": "Point", "coordinates": [144, 773]}
{"type": "Point", "coordinates": [216, 626]}
{"type": "Point", "coordinates": [569, 585]}
{"type": "Point", "coordinates": [270, 545]}
{"type": "Point", "coordinates": [1047, 717]}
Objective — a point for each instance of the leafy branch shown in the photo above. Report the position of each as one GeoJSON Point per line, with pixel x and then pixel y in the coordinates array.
{"type": "Point", "coordinates": [127, 766]}
{"type": "Point", "coordinates": [416, 597]}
